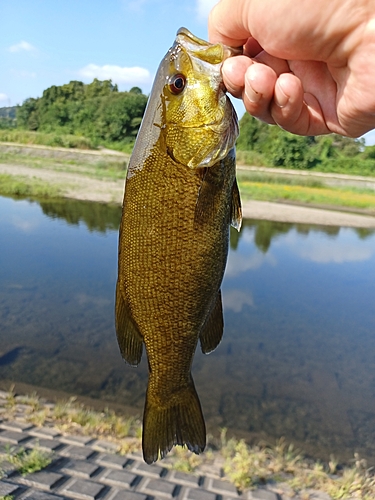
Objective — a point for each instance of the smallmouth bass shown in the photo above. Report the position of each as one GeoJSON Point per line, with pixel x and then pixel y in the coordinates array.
{"type": "Point", "coordinates": [180, 198]}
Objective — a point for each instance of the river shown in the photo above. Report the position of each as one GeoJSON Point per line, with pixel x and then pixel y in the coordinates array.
{"type": "Point", "coordinates": [298, 355]}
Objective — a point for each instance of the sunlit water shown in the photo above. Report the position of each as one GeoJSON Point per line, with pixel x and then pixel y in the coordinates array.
{"type": "Point", "coordinates": [298, 354]}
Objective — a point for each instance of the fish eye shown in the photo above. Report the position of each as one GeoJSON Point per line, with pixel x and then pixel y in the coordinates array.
{"type": "Point", "coordinates": [177, 83]}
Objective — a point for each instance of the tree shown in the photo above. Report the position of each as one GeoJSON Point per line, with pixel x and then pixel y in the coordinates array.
{"type": "Point", "coordinates": [97, 110]}
{"type": "Point", "coordinates": [293, 151]}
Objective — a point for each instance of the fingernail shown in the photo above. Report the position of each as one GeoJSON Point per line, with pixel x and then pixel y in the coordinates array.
{"type": "Point", "coordinates": [280, 98]}
{"type": "Point", "coordinates": [252, 95]}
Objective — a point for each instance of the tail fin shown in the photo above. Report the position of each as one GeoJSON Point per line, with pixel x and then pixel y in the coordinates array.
{"type": "Point", "coordinates": [180, 423]}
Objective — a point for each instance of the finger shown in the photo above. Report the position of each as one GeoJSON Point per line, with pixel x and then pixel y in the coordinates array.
{"type": "Point", "coordinates": [234, 70]}
{"type": "Point", "coordinates": [225, 23]}
{"type": "Point", "coordinates": [278, 65]}
{"type": "Point", "coordinates": [260, 81]}
{"type": "Point", "coordinates": [252, 47]}
{"type": "Point", "coordinates": [296, 111]}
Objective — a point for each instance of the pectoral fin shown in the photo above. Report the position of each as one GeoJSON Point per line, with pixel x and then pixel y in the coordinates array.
{"type": "Point", "coordinates": [236, 210]}
{"type": "Point", "coordinates": [212, 331]}
{"type": "Point", "coordinates": [128, 336]}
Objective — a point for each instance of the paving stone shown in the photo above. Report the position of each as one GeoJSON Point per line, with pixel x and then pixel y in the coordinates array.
{"type": "Point", "coordinates": [44, 432]}
{"type": "Point", "coordinates": [262, 495]}
{"type": "Point", "coordinates": [80, 468]}
{"type": "Point", "coordinates": [120, 478]}
{"type": "Point", "coordinates": [20, 417]}
{"type": "Point", "coordinates": [22, 408]}
{"type": "Point", "coordinates": [195, 494]}
{"type": "Point", "coordinates": [7, 488]}
{"type": "Point", "coordinates": [77, 440]}
{"type": "Point", "coordinates": [159, 488]}
{"type": "Point", "coordinates": [148, 470]}
{"type": "Point", "coordinates": [183, 478]}
{"type": "Point", "coordinates": [78, 452]}
{"type": "Point", "coordinates": [210, 470]}
{"type": "Point", "coordinates": [45, 444]}
{"type": "Point", "coordinates": [102, 445]}
{"type": "Point", "coordinates": [316, 495]}
{"type": "Point", "coordinates": [45, 480]}
{"type": "Point", "coordinates": [40, 495]}
{"type": "Point", "coordinates": [4, 395]}
{"type": "Point", "coordinates": [7, 468]}
{"type": "Point", "coordinates": [16, 426]}
{"type": "Point", "coordinates": [222, 487]}
{"type": "Point", "coordinates": [13, 437]}
{"type": "Point", "coordinates": [85, 490]}
{"type": "Point", "coordinates": [129, 495]}
{"type": "Point", "coordinates": [114, 461]}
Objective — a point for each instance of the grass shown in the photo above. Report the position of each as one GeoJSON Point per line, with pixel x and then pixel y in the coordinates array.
{"type": "Point", "coordinates": [46, 139]}
{"type": "Point", "coordinates": [61, 140]}
{"type": "Point", "coordinates": [27, 461]}
{"type": "Point", "coordinates": [101, 168]}
{"type": "Point", "coordinates": [27, 187]}
{"type": "Point", "coordinates": [249, 466]}
{"type": "Point", "coordinates": [342, 197]}
{"type": "Point", "coordinates": [245, 466]}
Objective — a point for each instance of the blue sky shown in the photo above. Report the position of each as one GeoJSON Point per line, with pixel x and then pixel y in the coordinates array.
{"type": "Point", "coordinates": [50, 42]}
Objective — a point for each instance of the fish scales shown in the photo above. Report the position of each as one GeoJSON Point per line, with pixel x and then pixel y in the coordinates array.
{"type": "Point", "coordinates": [173, 247]}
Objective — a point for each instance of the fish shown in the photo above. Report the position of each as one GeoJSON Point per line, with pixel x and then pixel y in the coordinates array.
{"type": "Point", "coordinates": [181, 196]}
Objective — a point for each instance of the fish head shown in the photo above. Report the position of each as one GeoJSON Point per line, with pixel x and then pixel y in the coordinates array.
{"type": "Point", "coordinates": [198, 122]}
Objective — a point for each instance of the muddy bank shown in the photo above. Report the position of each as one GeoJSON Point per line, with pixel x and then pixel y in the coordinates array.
{"type": "Point", "coordinates": [83, 187]}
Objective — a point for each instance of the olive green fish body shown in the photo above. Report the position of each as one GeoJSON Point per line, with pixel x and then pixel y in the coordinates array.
{"type": "Point", "coordinates": [172, 253]}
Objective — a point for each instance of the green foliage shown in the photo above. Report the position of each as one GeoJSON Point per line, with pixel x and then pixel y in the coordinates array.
{"type": "Point", "coordinates": [292, 151]}
{"type": "Point", "coordinates": [253, 134]}
{"type": "Point", "coordinates": [8, 112]}
{"type": "Point", "coordinates": [28, 461]}
{"type": "Point", "coordinates": [8, 117]}
{"type": "Point", "coordinates": [97, 111]}
{"type": "Point", "coordinates": [261, 144]}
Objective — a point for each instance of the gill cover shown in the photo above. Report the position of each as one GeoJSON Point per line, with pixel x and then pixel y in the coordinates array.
{"type": "Point", "coordinates": [188, 115]}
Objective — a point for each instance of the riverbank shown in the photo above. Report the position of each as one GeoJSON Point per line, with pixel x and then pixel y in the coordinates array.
{"type": "Point", "coordinates": [99, 176]}
{"type": "Point", "coordinates": [70, 451]}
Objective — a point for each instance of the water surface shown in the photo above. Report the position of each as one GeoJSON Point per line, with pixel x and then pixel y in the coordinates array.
{"type": "Point", "coordinates": [298, 354]}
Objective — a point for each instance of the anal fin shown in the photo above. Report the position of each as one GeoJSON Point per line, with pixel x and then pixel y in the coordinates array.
{"type": "Point", "coordinates": [129, 339]}
{"type": "Point", "coordinates": [236, 210]}
{"type": "Point", "coordinates": [212, 330]}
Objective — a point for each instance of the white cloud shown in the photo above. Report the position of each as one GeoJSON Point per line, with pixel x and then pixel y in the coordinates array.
{"type": "Point", "coordinates": [335, 252]}
{"type": "Point", "coordinates": [236, 299]}
{"type": "Point", "coordinates": [3, 97]}
{"type": "Point", "coordinates": [134, 5]}
{"type": "Point", "coordinates": [18, 47]}
{"type": "Point", "coordinates": [118, 74]}
{"type": "Point", "coordinates": [322, 249]}
{"type": "Point", "coordinates": [239, 263]}
{"type": "Point", "coordinates": [25, 225]}
{"type": "Point", "coordinates": [23, 74]}
{"type": "Point", "coordinates": [203, 8]}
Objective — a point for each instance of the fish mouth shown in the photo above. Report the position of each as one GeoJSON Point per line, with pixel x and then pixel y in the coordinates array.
{"type": "Point", "coordinates": [208, 49]}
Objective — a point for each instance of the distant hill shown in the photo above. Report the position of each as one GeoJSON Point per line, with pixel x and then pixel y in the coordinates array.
{"type": "Point", "coordinates": [8, 112]}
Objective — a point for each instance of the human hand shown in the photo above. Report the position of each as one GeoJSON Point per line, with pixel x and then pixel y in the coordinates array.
{"type": "Point", "coordinates": [308, 66]}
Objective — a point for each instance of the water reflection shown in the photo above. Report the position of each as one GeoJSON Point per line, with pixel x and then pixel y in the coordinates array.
{"type": "Point", "coordinates": [96, 216]}
{"type": "Point", "coordinates": [298, 354]}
